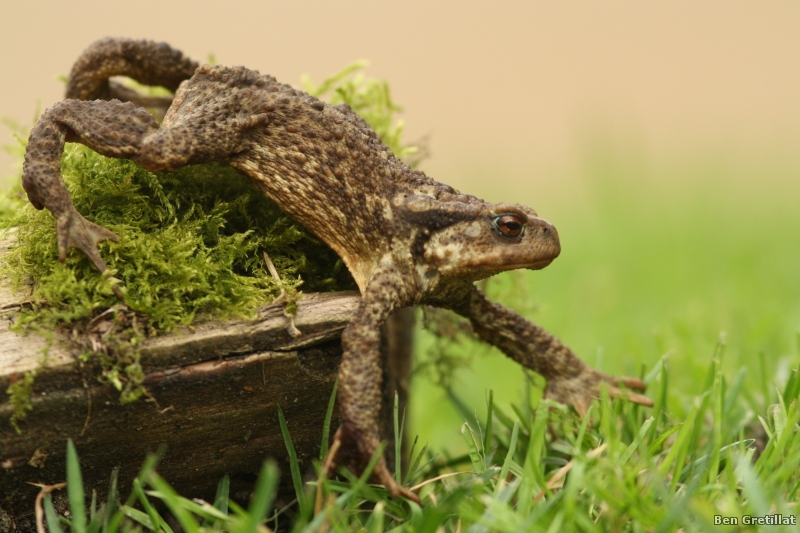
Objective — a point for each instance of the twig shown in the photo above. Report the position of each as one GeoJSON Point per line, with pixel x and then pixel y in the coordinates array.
{"type": "Point", "coordinates": [88, 401]}
{"type": "Point", "coordinates": [437, 478]}
{"type": "Point", "coordinates": [39, 506]}
{"type": "Point", "coordinates": [292, 329]}
{"type": "Point", "coordinates": [553, 482]}
{"type": "Point", "coordinates": [324, 527]}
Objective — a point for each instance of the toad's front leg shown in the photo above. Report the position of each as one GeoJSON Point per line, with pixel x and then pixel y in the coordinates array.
{"type": "Point", "coordinates": [123, 130]}
{"type": "Point", "coordinates": [111, 128]}
{"type": "Point", "coordinates": [360, 377]}
{"type": "Point", "coordinates": [569, 380]}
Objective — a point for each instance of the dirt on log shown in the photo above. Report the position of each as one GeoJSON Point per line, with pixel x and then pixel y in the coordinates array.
{"type": "Point", "coordinates": [214, 395]}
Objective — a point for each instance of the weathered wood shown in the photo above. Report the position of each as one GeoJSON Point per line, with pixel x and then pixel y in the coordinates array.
{"type": "Point", "coordinates": [216, 388]}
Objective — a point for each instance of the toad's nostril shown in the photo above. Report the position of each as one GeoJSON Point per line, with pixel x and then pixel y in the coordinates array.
{"type": "Point", "coordinates": [549, 233]}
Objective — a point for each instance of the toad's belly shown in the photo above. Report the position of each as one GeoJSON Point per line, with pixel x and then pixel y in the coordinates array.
{"type": "Point", "coordinates": [354, 222]}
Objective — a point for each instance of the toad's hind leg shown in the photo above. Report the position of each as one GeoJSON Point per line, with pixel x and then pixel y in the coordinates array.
{"type": "Point", "coordinates": [147, 62]}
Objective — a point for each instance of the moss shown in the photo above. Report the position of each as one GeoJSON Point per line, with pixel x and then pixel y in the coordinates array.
{"type": "Point", "coordinates": [13, 198]}
{"type": "Point", "coordinates": [191, 244]}
{"type": "Point", "coordinates": [19, 394]}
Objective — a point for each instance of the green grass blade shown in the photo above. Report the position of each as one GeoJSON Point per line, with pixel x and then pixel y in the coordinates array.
{"type": "Point", "coordinates": [733, 392]}
{"type": "Point", "coordinates": [459, 404]}
{"type": "Point", "coordinates": [148, 467]}
{"type": "Point", "coordinates": [524, 419]}
{"type": "Point", "coordinates": [263, 496]}
{"type": "Point", "coordinates": [718, 400]}
{"type": "Point", "coordinates": [659, 410]}
{"type": "Point", "coordinates": [398, 439]}
{"type": "Point", "coordinates": [141, 517]}
{"type": "Point", "coordinates": [778, 449]}
{"type": "Point", "coordinates": [415, 461]}
{"type": "Point", "coordinates": [411, 459]}
{"type": "Point", "coordinates": [608, 421]}
{"type": "Point", "coordinates": [155, 520]}
{"type": "Point", "coordinates": [51, 517]}
{"type": "Point", "coordinates": [512, 448]}
{"type": "Point", "coordinates": [677, 454]}
{"type": "Point", "coordinates": [626, 455]}
{"type": "Point", "coordinates": [326, 425]}
{"type": "Point", "coordinates": [115, 521]}
{"type": "Point", "coordinates": [793, 493]}
{"type": "Point", "coordinates": [533, 475]}
{"type": "Point", "coordinates": [174, 502]}
{"type": "Point", "coordinates": [792, 388]}
{"type": "Point", "coordinates": [221, 498]}
{"type": "Point", "coordinates": [294, 464]}
{"type": "Point", "coordinates": [778, 413]}
{"type": "Point", "coordinates": [587, 419]}
{"type": "Point", "coordinates": [655, 446]}
{"type": "Point", "coordinates": [77, 502]}
{"type": "Point", "coordinates": [505, 420]}
{"type": "Point", "coordinates": [376, 519]}
{"type": "Point", "coordinates": [722, 453]}
{"type": "Point", "coordinates": [472, 447]}
{"type": "Point", "coordinates": [752, 488]}
{"type": "Point", "coordinates": [95, 519]}
{"type": "Point", "coordinates": [487, 438]}
{"type": "Point", "coordinates": [112, 499]}
{"type": "Point", "coordinates": [200, 508]}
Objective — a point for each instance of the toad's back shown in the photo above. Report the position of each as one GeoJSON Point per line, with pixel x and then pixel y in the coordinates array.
{"type": "Point", "coordinates": [321, 164]}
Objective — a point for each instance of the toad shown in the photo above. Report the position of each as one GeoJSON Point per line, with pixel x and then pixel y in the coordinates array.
{"type": "Point", "coordinates": [406, 239]}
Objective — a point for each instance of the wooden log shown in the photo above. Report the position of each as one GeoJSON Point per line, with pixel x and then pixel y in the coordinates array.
{"type": "Point", "coordinates": [217, 388]}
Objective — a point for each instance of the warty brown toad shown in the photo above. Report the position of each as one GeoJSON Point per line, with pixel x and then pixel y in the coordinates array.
{"type": "Point", "coordinates": [405, 238]}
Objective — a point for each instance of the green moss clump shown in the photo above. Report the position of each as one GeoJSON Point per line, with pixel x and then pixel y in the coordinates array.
{"type": "Point", "coordinates": [191, 243]}
{"type": "Point", "coordinates": [19, 394]}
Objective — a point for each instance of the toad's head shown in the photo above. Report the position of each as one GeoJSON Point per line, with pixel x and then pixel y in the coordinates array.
{"type": "Point", "coordinates": [472, 240]}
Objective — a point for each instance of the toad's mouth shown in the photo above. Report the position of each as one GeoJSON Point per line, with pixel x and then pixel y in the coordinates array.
{"type": "Point", "coordinates": [539, 264]}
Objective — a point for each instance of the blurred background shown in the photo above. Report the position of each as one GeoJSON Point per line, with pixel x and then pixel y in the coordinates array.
{"type": "Point", "coordinates": [661, 138]}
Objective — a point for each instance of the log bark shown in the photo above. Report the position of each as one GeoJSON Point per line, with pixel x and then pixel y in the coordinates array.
{"type": "Point", "coordinates": [217, 388]}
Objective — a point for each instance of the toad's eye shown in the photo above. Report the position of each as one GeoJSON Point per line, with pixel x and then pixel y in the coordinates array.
{"type": "Point", "coordinates": [508, 225]}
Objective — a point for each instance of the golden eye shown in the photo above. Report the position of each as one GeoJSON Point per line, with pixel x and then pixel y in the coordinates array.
{"type": "Point", "coordinates": [508, 225]}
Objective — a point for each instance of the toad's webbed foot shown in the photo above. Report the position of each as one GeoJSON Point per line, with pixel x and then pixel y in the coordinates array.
{"type": "Point", "coordinates": [579, 390]}
{"type": "Point", "coordinates": [74, 231]}
{"type": "Point", "coordinates": [355, 451]}
{"type": "Point", "coordinates": [569, 380]}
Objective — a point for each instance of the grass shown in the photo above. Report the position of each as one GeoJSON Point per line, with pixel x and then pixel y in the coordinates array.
{"type": "Point", "coordinates": [541, 468]}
